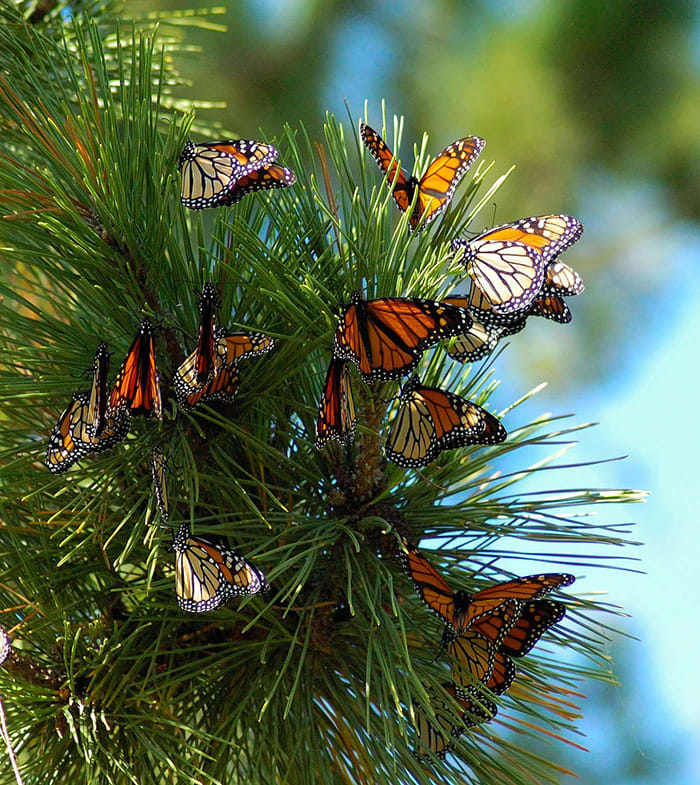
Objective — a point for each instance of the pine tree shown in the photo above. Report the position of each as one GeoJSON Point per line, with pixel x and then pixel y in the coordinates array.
{"type": "Point", "coordinates": [314, 681]}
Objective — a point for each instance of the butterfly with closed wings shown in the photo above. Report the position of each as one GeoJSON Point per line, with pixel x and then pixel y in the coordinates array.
{"type": "Point", "coordinates": [438, 740]}
{"type": "Point", "coordinates": [137, 386]}
{"type": "Point", "coordinates": [160, 489]}
{"type": "Point", "coordinates": [87, 425]}
{"type": "Point", "coordinates": [210, 171]}
{"type": "Point", "coordinates": [336, 410]}
{"type": "Point", "coordinates": [210, 372]}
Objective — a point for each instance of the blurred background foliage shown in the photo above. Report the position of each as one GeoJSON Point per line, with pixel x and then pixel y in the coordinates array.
{"type": "Point", "coordinates": [598, 105]}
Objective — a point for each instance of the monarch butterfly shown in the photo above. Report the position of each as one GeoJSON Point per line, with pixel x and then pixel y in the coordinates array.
{"type": "Point", "coordinates": [482, 337]}
{"type": "Point", "coordinates": [224, 385]}
{"type": "Point", "coordinates": [71, 439]}
{"type": "Point", "coordinates": [160, 489]}
{"type": "Point", "coordinates": [270, 176]}
{"type": "Point", "coordinates": [208, 574]}
{"type": "Point", "coordinates": [440, 739]}
{"type": "Point", "coordinates": [5, 646]}
{"type": "Point", "coordinates": [430, 420]}
{"type": "Point", "coordinates": [209, 171]}
{"type": "Point", "coordinates": [205, 354]}
{"type": "Point", "coordinates": [336, 411]}
{"type": "Point", "coordinates": [436, 187]}
{"type": "Point", "coordinates": [386, 337]}
{"type": "Point", "coordinates": [97, 406]}
{"type": "Point", "coordinates": [460, 609]}
{"type": "Point", "coordinates": [508, 263]}
{"type": "Point", "coordinates": [137, 386]}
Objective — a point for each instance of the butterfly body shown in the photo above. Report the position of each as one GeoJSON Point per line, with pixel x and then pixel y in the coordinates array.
{"type": "Point", "coordinates": [386, 337]}
{"type": "Point", "coordinates": [160, 488]}
{"type": "Point", "coordinates": [436, 186]}
{"type": "Point", "coordinates": [429, 421]}
{"type": "Point", "coordinates": [205, 354]}
{"type": "Point", "coordinates": [208, 574]}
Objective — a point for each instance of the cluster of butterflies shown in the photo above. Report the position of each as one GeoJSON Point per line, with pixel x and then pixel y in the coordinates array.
{"type": "Point", "coordinates": [483, 632]}
{"type": "Point", "coordinates": [515, 273]}
{"type": "Point", "coordinates": [206, 573]}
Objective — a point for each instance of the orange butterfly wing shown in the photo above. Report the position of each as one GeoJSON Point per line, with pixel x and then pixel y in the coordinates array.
{"type": "Point", "coordinates": [223, 387]}
{"type": "Point", "coordinates": [535, 619]}
{"type": "Point", "coordinates": [137, 386]}
{"type": "Point", "coordinates": [402, 188]}
{"type": "Point", "coordinates": [240, 346]}
{"type": "Point", "coordinates": [530, 587]}
{"type": "Point", "coordinates": [270, 176]}
{"type": "Point", "coordinates": [336, 410]}
{"type": "Point", "coordinates": [548, 234]}
{"type": "Point", "coordinates": [386, 337]}
{"type": "Point", "coordinates": [550, 306]}
{"type": "Point", "coordinates": [247, 153]}
{"type": "Point", "coordinates": [432, 588]}
{"type": "Point", "coordinates": [437, 186]}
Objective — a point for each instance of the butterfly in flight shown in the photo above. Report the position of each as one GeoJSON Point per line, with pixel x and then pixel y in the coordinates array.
{"type": "Point", "coordinates": [436, 187]}
{"type": "Point", "coordinates": [507, 264]}
{"type": "Point", "coordinates": [263, 179]}
{"type": "Point", "coordinates": [440, 739]}
{"type": "Point", "coordinates": [336, 411]}
{"type": "Point", "coordinates": [160, 488]}
{"type": "Point", "coordinates": [208, 574]}
{"type": "Point", "coordinates": [210, 171]}
{"type": "Point", "coordinates": [386, 337]}
{"type": "Point", "coordinates": [137, 386]}
{"type": "Point", "coordinates": [87, 425]}
{"type": "Point", "coordinates": [430, 420]}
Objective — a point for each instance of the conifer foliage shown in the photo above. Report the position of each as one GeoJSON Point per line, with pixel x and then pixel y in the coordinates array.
{"type": "Point", "coordinates": [322, 677]}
